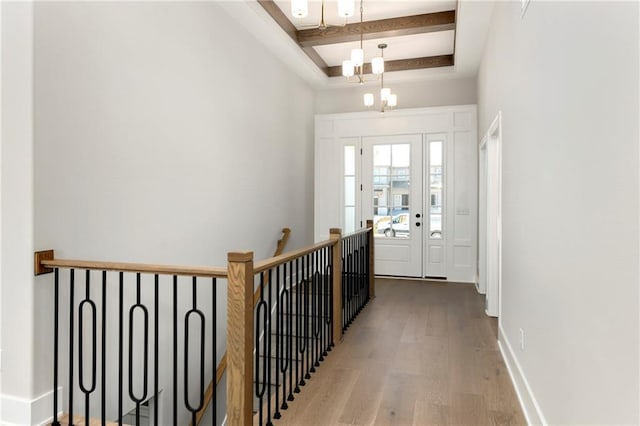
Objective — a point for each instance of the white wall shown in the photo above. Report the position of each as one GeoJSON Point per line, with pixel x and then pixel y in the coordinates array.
{"type": "Point", "coordinates": [426, 93]}
{"type": "Point", "coordinates": [156, 139]}
{"type": "Point", "coordinates": [566, 80]}
{"type": "Point", "coordinates": [17, 211]}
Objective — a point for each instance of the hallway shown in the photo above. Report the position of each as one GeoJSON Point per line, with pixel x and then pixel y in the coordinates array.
{"type": "Point", "coordinates": [418, 354]}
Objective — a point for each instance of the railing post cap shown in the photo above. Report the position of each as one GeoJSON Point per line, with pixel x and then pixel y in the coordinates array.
{"type": "Point", "coordinates": [240, 256]}
{"type": "Point", "coordinates": [335, 231]}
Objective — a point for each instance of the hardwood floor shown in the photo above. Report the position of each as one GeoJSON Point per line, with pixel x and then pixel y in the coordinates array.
{"type": "Point", "coordinates": [421, 353]}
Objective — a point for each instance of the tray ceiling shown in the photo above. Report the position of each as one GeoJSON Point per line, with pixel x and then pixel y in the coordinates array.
{"type": "Point", "coordinates": [420, 34]}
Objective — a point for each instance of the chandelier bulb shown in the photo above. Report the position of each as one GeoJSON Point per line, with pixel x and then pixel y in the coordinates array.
{"type": "Point", "coordinates": [377, 65]}
{"type": "Point", "coordinates": [392, 100]}
{"type": "Point", "coordinates": [357, 57]}
{"type": "Point", "coordinates": [385, 92]}
{"type": "Point", "coordinates": [368, 99]}
{"type": "Point", "coordinates": [347, 68]}
{"type": "Point", "coordinates": [299, 8]}
{"type": "Point", "coordinates": [346, 8]}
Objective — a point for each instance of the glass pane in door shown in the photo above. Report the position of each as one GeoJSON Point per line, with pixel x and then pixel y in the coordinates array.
{"type": "Point", "coordinates": [349, 178]}
{"type": "Point", "coordinates": [391, 184]}
{"type": "Point", "coordinates": [435, 189]}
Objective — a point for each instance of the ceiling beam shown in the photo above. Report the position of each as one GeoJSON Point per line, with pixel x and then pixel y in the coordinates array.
{"type": "Point", "coordinates": [281, 19]}
{"type": "Point", "coordinates": [402, 65]}
{"type": "Point", "coordinates": [393, 27]}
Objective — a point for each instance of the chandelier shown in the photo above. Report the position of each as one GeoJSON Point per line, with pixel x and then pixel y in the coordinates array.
{"type": "Point", "coordinates": [354, 66]}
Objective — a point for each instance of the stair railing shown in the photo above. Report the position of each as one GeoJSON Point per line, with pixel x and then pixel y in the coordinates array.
{"type": "Point", "coordinates": [210, 392]}
{"type": "Point", "coordinates": [357, 272]}
{"type": "Point", "coordinates": [305, 299]}
{"type": "Point", "coordinates": [177, 301]}
{"type": "Point", "coordinates": [299, 317]}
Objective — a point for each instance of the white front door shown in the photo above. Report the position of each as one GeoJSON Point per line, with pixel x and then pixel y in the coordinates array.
{"type": "Point", "coordinates": [392, 196]}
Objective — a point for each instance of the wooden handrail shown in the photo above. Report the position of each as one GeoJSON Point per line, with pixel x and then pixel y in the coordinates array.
{"type": "Point", "coordinates": [265, 265]}
{"type": "Point", "coordinates": [359, 231]}
{"type": "Point", "coordinates": [199, 271]}
{"type": "Point", "coordinates": [210, 393]}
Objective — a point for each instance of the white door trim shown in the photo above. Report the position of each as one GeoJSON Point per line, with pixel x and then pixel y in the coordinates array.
{"type": "Point", "coordinates": [481, 284]}
{"type": "Point", "coordinates": [493, 141]}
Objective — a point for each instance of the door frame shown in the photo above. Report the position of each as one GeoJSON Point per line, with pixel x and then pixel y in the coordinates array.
{"type": "Point", "coordinates": [492, 145]}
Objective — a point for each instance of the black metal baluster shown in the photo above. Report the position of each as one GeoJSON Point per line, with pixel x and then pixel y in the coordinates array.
{"type": "Point", "coordinates": [71, 302]}
{"type": "Point", "coordinates": [56, 311]}
{"type": "Point", "coordinates": [317, 303]}
{"type": "Point", "coordinates": [291, 340]}
{"type": "Point", "coordinates": [349, 281]}
{"type": "Point", "coordinates": [214, 350]}
{"type": "Point", "coordinates": [193, 311]}
{"type": "Point", "coordinates": [360, 271]}
{"type": "Point", "coordinates": [347, 284]}
{"type": "Point", "coordinates": [362, 254]}
{"type": "Point", "coordinates": [341, 270]}
{"type": "Point", "coordinates": [103, 381]}
{"type": "Point", "coordinates": [258, 389]}
{"type": "Point", "coordinates": [156, 346]}
{"type": "Point", "coordinates": [353, 280]}
{"type": "Point", "coordinates": [321, 303]}
{"type": "Point", "coordinates": [367, 263]}
{"type": "Point", "coordinates": [276, 414]}
{"type": "Point", "coordinates": [356, 258]}
{"type": "Point", "coordinates": [332, 315]}
{"type": "Point", "coordinates": [356, 277]}
{"type": "Point", "coordinates": [145, 365]}
{"type": "Point", "coordinates": [87, 390]}
{"type": "Point", "coordinates": [314, 313]}
{"type": "Point", "coordinates": [325, 305]}
{"type": "Point", "coordinates": [307, 301]}
{"type": "Point", "coordinates": [365, 282]}
{"type": "Point", "coordinates": [175, 350]}
{"type": "Point", "coordinates": [267, 336]}
{"type": "Point", "coordinates": [284, 339]}
{"type": "Point", "coordinates": [120, 339]}
{"type": "Point", "coordinates": [299, 342]}
{"type": "Point", "coordinates": [360, 257]}
{"type": "Point", "coordinates": [301, 315]}
{"type": "Point", "coordinates": [329, 301]}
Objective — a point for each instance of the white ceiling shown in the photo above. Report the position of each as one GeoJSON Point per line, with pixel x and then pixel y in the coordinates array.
{"type": "Point", "coordinates": [472, 22]}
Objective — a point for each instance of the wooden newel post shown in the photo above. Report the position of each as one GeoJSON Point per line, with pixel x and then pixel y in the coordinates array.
{"type": "Point", "coordinates": [372, 260]}
{"type": "Point", "coordinates": [336, 236]}
{"type": "Point", "coordinates": [240, 339]}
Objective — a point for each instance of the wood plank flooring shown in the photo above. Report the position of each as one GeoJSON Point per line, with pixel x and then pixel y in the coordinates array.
{"type": "Point", "coordinates": [421, 353]}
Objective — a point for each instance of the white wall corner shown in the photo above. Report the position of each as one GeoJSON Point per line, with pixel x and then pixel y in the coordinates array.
{"type": "Point", "coordinates": [528, 402]}
{"type": "Point", "coordinates": [21, 412]}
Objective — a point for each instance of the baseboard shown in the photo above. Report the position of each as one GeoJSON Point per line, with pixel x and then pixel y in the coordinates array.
{"type": "Point", "coordinates": [528, 402]}
{"type": "Point", "coordinates": [21, 412]}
